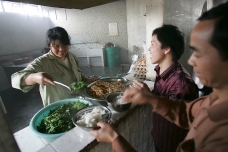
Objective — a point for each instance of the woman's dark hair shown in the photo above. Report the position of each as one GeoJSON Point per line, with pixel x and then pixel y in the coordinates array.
{"type": "Point", "coordinates": [45, 50]}
{"type": "Point", "coordinates": [219, 38]}
{"type": "Point", "coordinates": [170, 36]}
{"type": "Point", "coordinates": [57, 33]}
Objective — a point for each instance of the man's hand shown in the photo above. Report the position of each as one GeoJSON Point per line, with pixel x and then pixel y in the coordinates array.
{"type": "Point", "coordinates": [138, 93]}
{"type": "Point", "coordinates": [106, 133]}
{"type": "Point", "coordinates": [141, 85]}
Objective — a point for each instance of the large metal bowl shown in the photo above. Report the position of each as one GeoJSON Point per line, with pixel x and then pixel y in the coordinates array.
{"type": "Point", "coordinates": [107, 116]}
{"type": "Point", "coordinates": [87, 96]}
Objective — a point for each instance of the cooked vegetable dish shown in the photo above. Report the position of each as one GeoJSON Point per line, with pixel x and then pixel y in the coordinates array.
{"type": "Point", "coordinates": [77, 85]}
{"type": "Point", "coordinates": [60, 119]}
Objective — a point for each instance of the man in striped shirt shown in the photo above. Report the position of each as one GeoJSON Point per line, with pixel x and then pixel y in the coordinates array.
{"type": "Point", "coordinates": [172, 81]}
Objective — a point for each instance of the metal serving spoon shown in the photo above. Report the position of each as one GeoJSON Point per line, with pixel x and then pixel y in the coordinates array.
{"type": "Point", "coordinates": [56, 82]}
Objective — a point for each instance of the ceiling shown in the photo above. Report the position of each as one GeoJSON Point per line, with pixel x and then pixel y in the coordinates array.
{"type": "Point", "coordinates": [70, 4]}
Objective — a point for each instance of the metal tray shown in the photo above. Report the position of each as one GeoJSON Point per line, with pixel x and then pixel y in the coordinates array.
{"type": "Point", "coordinates": [85, 91]}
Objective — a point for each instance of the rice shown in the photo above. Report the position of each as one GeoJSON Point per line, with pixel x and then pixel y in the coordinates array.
{"type": "Point", "coordinates": [118, 100]}
{"type": "Point", "coordinates": [92, 118]}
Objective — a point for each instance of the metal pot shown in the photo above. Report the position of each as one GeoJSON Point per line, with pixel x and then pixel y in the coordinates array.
{"type": "Point", "coordinates": [87, 96]}
{"type": "Point", "coordinates": [117, 107]}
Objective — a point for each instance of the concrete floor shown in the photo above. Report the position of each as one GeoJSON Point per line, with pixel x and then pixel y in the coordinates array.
{"type": "Point", "coordinates": [22, 106]}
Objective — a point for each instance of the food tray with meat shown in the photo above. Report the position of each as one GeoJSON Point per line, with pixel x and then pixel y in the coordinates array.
{"type": "Point", "coordinates": [98, 90]}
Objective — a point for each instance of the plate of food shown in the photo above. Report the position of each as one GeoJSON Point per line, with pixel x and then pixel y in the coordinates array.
{"type": "Point", "coordinates": [99, 89]}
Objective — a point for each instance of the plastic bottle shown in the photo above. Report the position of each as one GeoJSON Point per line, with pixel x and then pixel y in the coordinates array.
{"type": "Point", "coordinates": [132, 67]}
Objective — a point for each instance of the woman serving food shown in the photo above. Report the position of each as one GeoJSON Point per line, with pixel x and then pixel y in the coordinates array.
{"type": "Point", "coordinates": [57, 65]}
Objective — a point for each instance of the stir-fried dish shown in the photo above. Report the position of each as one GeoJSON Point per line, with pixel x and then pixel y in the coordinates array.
{"type": "Point", "coordinates": [101, 89]}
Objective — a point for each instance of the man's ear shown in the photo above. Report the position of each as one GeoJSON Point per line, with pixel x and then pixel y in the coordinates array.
{"type": "Point", "coordinates": [167, 50]}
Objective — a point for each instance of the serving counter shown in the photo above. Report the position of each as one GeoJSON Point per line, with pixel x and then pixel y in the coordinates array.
{"type": "Point", "coordinates": [135, 125]}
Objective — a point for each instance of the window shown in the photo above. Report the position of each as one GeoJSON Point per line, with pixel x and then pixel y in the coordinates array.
{"type": "Point", "coordinates": [33, 9]}
{"type": "Point", "coordinates": [22, 8]}
{"type": "Point", "coordinates": [12, 7]}
{"type": "Point", "coordinates": [1, 7]}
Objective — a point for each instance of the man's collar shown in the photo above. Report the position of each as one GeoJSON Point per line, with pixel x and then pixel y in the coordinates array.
{"type": "Point", "coordinates": [167, 72]}
{"type": "Point", "coordinates": [157, 69]}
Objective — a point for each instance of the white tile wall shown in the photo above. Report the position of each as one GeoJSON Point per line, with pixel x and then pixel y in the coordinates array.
{"type": "Point", "coordinates": [82, 25]}
{"type": "Point", "coordinates": [91, 25]}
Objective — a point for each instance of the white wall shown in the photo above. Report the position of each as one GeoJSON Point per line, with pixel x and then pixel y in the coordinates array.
{"type": "Point", "coordinates": [92, 24]}
{"type": "Point", "coordinates": [181, 13]}
{"type": "Point", "coordinates": [154, 19]}
{"type": "Point", "coordinates": [136, 26]}
{"type": "Point", "coordinates": [19, 33]}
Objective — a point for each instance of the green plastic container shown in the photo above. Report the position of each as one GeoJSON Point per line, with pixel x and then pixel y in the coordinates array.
{"type": "Point", "coordinates": [113, 59]}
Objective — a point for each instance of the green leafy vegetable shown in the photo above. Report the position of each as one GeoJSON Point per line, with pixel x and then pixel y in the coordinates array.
{"type": "Point", "coordinates": [77, 85]}
{"type": "Point", "coordinates": [60, 119]}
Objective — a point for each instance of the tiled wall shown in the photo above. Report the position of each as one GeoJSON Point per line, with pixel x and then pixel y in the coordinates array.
{"type": "Point", "coordinates": [152, 14]}
{"type": "Point", "coordinates": [21, 33]}
{"type": "Point", "coordinates": [180, 13]}
{"type": "Point", "coordinates": [91, 25]}
{"type": "Point", "coordinates": [136, 26]}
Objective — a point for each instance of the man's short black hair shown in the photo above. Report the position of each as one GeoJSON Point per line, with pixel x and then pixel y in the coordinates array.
{"type": "Point", "coordinates": [170, 36]}
{"type": "Point", "coordinates": [57, 33]}
{"type": "Point", "coordinates": [219, 38]}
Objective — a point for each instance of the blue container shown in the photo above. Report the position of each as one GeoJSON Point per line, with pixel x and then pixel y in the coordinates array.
{"type": "Point", "coordinates": [113, 59]}
{"type": "Point", "coordinates": [41, 114]}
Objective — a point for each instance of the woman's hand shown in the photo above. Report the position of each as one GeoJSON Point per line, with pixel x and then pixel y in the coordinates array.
{"type": "Point", "coordinates": [106, 133]}
{"type": "Point", "coordinates": [40, 78]}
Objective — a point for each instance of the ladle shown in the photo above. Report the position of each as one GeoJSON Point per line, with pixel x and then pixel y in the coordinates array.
{"type": "Point", "coordinates": [62, 85]}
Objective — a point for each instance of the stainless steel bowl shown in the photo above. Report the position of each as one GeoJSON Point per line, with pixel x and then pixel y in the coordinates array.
{"type": "Point", "coordinates": [117, 107]}
{"type": "Point", "coordinates": [87, 96]}
{"type": "Point", "coordinates": [81, 112]}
